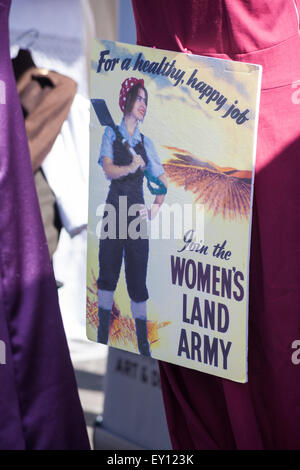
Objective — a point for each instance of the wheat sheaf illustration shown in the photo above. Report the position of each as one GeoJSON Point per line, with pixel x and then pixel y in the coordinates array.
{"type": "Point", "coordinates": [122, 328]}
{"type": "Point", "coordinates": [225, 191]}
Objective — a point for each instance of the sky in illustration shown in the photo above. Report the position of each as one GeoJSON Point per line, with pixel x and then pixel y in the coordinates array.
{"type": "Point", "coordinates": [169, 105]}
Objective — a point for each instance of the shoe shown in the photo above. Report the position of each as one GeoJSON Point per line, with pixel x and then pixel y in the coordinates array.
{"type": "Point", "coordinates": [142, 336]}
{"type": "Point", "coordinates": [103, 328]}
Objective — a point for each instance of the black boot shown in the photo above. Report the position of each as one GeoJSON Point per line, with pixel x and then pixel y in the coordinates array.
{"type": "Point", "coordinates": [142, 336]}
{"type": "Point", "coordinates": [103, 328]}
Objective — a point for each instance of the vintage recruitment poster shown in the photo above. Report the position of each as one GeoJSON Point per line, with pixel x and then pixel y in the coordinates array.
{"type": "Point", "coordinates": [172, 155]}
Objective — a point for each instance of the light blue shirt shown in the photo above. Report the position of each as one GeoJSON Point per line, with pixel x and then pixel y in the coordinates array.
{"type": "Point", "coordinates": [154, 166]}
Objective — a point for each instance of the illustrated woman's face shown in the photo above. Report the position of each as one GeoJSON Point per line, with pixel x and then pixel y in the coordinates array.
{"type": "Point", "coordinates": [139, 108]}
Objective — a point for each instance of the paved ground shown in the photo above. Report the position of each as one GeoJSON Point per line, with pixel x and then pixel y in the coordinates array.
{"type": "Point", "coordinates": [89, 361]}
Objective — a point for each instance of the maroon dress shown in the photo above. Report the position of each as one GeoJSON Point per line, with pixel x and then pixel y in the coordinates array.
{"type": "Point", "coordinates": [39, 403]}
{"type": "Point", "coordinates": [203, 411]}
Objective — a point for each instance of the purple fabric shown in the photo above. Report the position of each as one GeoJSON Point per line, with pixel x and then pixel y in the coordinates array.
{"type": "Point", "coordinates": [206, 412]}
{"type": "Point", "coordinates": [39, 403]}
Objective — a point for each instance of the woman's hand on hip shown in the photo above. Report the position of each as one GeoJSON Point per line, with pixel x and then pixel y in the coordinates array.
{"type": "Point", "coordinates": [149, 214]}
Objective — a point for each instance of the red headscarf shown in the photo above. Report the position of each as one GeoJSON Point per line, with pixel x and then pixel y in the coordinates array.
{"type": "Point", "coordinates": [125, 88]}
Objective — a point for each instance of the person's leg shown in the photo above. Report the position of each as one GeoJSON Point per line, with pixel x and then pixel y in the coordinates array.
{"type": "Point", "coordinates": [136, 260]}
{"type": "Point", "coordinates": [110, 262]}
{"type": "Point", "coordinates": [105, 303]}
{"type": "Point", "coordinates": [139, 313]}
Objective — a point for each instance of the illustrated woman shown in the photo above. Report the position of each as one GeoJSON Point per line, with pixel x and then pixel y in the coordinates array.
{"type": "Point", "coordinates": [126, 173]}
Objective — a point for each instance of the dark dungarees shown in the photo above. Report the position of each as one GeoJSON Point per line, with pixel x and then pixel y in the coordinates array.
{"type": "Point", "coordinates": [135, 252]}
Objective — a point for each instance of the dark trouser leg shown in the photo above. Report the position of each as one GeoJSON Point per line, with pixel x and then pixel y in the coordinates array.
{"type": "Point", "coordinates": [110, 261]}
{"type": "Point", "coordinates": [136, 260]}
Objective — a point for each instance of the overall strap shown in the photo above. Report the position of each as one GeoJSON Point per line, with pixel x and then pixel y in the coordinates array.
{"type": "Point", "coordinates": [118, 134]}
